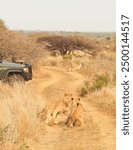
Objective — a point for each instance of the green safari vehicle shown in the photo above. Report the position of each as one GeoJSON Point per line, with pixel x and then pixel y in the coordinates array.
{"type": "Point", "coordinates": [13, 71]}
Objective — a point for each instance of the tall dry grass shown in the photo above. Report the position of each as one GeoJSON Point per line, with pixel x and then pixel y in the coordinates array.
{"type": "Point", "coordinates": [18, 114]}
{"type": "Point", "coordinates": [16, 44]}
{"type": "Point", "coordinates": [104, 63]}
{"type": "Point", "coordinates": [104, 100]}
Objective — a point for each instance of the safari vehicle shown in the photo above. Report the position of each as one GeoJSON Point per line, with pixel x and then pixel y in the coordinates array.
{"type": "Point", "coordinates": [15, 71]}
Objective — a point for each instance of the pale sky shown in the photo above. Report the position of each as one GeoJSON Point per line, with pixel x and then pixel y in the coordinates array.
{"type": "Point", "coordinates": [59, 15]}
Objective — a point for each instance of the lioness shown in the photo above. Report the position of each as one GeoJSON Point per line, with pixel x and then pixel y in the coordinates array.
{"type": "Point", "coordinates": [50, 112]}
{"type": "Point", "coordinates": [63, 106]}
{"type": "Point", "coordinates": [76, 116]}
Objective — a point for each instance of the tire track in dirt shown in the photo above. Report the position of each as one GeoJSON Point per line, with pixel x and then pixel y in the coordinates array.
{"type": "Point", "coordinates": [57, 81]}
{"type": "Point", "coordinates": [99, 131]}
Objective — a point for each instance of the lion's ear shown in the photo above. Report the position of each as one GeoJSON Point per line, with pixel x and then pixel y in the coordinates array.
{"type": "Point", "coordinates": [65, 94]}
{"type": "Point", "coordinates": [68, 94]}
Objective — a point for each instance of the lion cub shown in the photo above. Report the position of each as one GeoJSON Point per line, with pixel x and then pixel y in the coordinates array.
{"type": "Point", "coordinates": [76, 116]}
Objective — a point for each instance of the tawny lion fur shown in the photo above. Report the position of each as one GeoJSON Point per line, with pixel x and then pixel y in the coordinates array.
{"type": "Point", "coordinates": [63, 106]}
{"type": "Point", "coordinates": [76, 117]}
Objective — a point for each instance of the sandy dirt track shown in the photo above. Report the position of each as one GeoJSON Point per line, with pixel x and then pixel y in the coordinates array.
{"type": "Point", "coordinates": [99, 130]}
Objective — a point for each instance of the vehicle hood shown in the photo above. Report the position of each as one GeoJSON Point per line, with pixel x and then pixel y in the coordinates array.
{"type": "Point", "coordinates": [10, 64]}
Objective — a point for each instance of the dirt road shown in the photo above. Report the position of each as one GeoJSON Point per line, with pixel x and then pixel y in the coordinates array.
{"type": "Point", "coordinates": [99, 130]}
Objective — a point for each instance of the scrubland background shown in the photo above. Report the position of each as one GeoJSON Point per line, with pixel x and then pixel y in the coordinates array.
{"type": "Point", "coordinates": [81, 63]}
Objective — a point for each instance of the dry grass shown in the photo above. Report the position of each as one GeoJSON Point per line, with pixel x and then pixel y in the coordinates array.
{"type": "Point", "coordinates": [18, 111]}
{"type": "Point", "coordinates": [104, 63]}
{"type": "Point", "coordinates": [104, 100]}
{"type": "Point", "coordinates": [15, 44]}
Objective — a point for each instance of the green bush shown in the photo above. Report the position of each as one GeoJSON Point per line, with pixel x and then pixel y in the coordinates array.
{"type": "Point", "coordinates": [67, 56]}
{"type": "Point", "coordinates": [83, 92]}
{"type": "Point", "coordinates": [100, 82]}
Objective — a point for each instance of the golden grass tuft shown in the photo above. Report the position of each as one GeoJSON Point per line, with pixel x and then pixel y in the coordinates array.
{"type": "Point", "coordinates": [18, 111]}
{"type": "Point", "coordinates": [104, 100]}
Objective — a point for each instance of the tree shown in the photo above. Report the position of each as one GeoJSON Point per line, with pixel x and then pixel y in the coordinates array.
{"type": "Point", "coordinates": [65, 45]}
{"type": "Point", "coordinates": [2, 25]}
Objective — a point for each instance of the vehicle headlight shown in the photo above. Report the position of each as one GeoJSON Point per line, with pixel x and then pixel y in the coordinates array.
{"type": "Point", "coordinates": [26, 70]}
